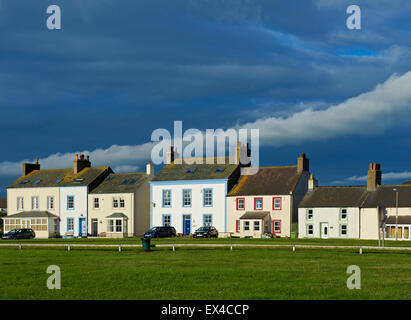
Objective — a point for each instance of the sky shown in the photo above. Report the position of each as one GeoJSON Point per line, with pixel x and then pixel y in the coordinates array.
{"type": "Point", "coordinates": [118, 70]}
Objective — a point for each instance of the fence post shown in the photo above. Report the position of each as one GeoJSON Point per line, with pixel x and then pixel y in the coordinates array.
{"type": "Point", "coordinates": [360, 249]}
{"type": "Point", "coordinates": [174, 247]}
{"type": "Point", "coordinates": [20, 247]}
{"type": "Point", "coordinates": [119, 248]}
{"type": "Point", "coordinates": [231, 247]}
{"type": "Point", "coordinates": [68, 247]}
{"type": "Point", "coordinates": [293, 247]}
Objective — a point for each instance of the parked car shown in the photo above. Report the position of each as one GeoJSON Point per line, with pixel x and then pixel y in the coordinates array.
{"type": "Point", "coordinates": [19, 234]}
{"type": "Point", "coordinates": [206, 232]}
{"type": "Point", "coordinates": [161, 232]}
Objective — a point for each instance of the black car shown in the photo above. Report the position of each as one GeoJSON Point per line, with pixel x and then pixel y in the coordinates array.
{"type": "Point", "coordinates": [206, 232]}
{"type": "Point", "coordinates": [19, 234]}
{"type": "Point", "coordinates": [161, 232]}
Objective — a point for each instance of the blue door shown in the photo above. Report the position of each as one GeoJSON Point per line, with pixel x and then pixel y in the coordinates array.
{"type": "Point", "coordinates": [82, 230]}
{"type": "Point", "coordinates": [186, 225]}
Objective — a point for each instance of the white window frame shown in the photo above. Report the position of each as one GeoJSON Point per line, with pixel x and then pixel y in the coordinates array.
{"type": "Point", "coordinates": [205, 217]}
{"type": "Point", "coordinates": [35, 203]}
{"type": "Point", "coordinates": [257, 226]}
{"type": "Point", "coordinates": [246, 226]}
{"type": "Point", "coordinates": [308, 214]}
{"type": "Point", "coordinates": [346, 214]}
{"type": "Point", "coordinates": [307, 229]}
{"type": "Point", "coordinates": [50, 202]}
{"type": "Point", "coordinates": [20, 203]}
{"type": "Point", "coordinates": [346, 229]}
{"type": "Point", "coordinates": [115, 203]}
{"type": "Point", "coordinates": [166, 198]}
{"type": "Point", "coordinates": [122, 203]}
{"type": "Point", "coordinates": [96, 203]}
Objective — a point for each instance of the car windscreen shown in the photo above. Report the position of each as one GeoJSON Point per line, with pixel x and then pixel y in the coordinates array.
{"type": "Point", "coordinates": [204, 229]}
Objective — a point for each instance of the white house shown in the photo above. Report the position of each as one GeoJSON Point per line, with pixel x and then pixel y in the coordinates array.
{"type": "Point", "coordinates": [188, 196]}
{"type": "Point", "coordinates": [357, 212]}
{"type": "Point", "coordinates": [53, 202]}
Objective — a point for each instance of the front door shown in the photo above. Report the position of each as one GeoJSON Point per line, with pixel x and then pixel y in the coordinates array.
{"type": "Point", "coordinates": [186, 225]}
{"type": "Point", "coordinates": [82, 227]}
{"type": "Point", "coordinates": [324, 230]}
{"type": "Point", "coordinates": [94, 227]}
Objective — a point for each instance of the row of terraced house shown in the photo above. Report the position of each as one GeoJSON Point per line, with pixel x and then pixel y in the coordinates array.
{"type": "Point", "coordinates": [86, 201]}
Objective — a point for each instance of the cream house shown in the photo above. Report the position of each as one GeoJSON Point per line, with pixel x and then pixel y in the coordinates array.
{"type": "Point", "coordinates": [357, 212]}
{"type": "Point", "coordinates": [267, 202]}
{"type": "Point", "coordinates": [120, 206]}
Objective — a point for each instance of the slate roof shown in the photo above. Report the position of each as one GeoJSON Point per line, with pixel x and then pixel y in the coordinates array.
{"type": "Point", "coordinates": [385, 196]}
{"type": "Point", "coordinates": [357, 196]}
{"type": "Point", "coordinates": [121, 183]}
{"type": "Point", "coordinates": [32, 214]}
{"type": "Point", "coordinates": [267, 181]}
{"type": "Point", "coordinates": [253, 215]}
{"type": "Point", "coordinates": [3, 202]}
{"type": "Point", "coordinates": [204, 171]}
{"type": "Point", "coordinates": [51, 178]}
{"type": "Point", "coordinates": [401, 220]}
{"type": "Point", "coordinates": [351, 196]}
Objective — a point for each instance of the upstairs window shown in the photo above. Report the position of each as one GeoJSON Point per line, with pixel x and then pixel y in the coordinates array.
{"type": "Point", "coordinates": [35, 203]}
{"type": "Point", "coordinates": [258, 204]}
{"type": "Point", "coordinates": [208, 197]}
{"type": "Point", "coordinates": [70, 202]}
{"type": "Point", "coordinates": [276, 203]}
{"type": "Point", "coordinates": [122, 203]}
{"type": "Point", "coordinates": [20, 203]}
{"type": "Point", "coordinates": [240, 203]}
{"type": "Point", "coordinates": [343, 214]}
{"type": "Point", "coordinates": [186, 198]}
{"type": "Point", "coordinates": [96, 203]}
{"type": "Point", "coordinates": [50, 203]}
{"type": "Point", "coordinates": [166, 198]}
{"type": "Point", "coordinates": [115, 203]}
{"type": "Point", "coordinates": [309, 214]}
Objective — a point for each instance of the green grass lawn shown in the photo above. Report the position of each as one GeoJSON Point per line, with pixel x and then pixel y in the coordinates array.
{"type": "Point", "coordinates": [203, 273]}
{"type": "Point", "coordinates": [286, 241]}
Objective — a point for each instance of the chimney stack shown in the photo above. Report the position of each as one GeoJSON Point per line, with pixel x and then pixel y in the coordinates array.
{"type": "Point", "coordinates": [30, 167]}
{"type": "Point", "coordinates": [303, 163]}
{"type": "Point", "coordinates": [312, 183]}
{"type": "Point", "coordinates": [81, 163]}
{"type": "Point", "coordinates": [374, 177]}
{"type": "Point", "coordinates": [170, 155]}
{"type": "Point", "coordinates": [149, 169]}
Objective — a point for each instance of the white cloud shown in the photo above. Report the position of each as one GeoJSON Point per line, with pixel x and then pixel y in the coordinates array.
{"type": "Point", "coordinates": [389, 176]}
{"type": "Point", "coordinates": [367, 114]}
{"type": "Point", "coordinates": [120, 158]}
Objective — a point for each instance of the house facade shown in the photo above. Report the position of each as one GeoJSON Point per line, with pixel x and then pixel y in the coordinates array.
{"type": "Point", "coordinates": [188, 196]}
{"type": "Point", "coordinates": [120, 206]}
{"type": "Point", "coordinates": [267, 202]}
{"type": "Point", "coordinates": [357, 212]}
{"type": "Point", "coordinates": [53, 202]}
